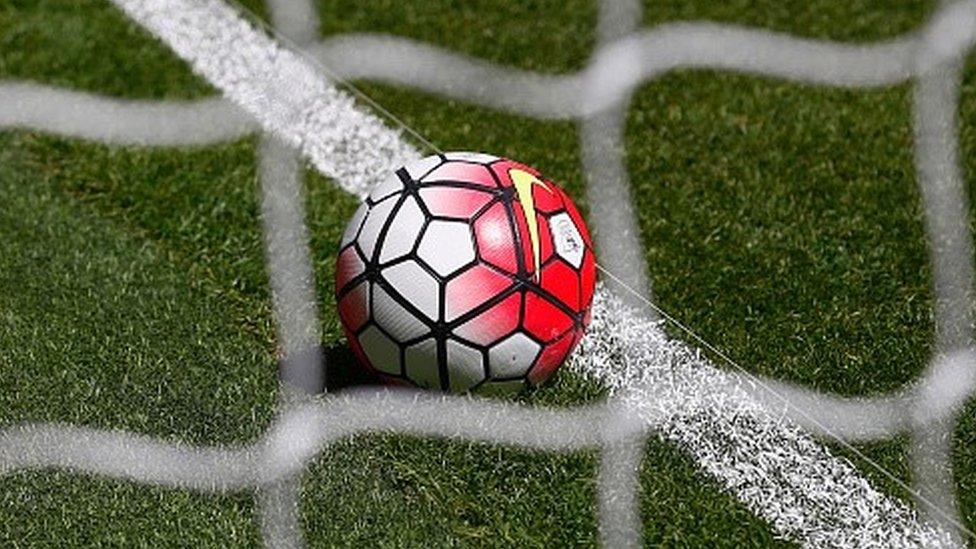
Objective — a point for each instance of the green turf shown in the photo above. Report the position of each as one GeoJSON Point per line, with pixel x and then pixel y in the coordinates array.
{"type": "Point", "coordinates": [100, 329]}
{"type": "Point", "coordinates": [780, 221]}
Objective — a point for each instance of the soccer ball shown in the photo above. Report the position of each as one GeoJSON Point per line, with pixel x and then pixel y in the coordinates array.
{"type": "Point", "coordinates": [465, 272]}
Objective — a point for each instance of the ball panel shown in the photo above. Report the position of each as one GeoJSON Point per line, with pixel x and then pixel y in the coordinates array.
{"type": "Point", "coordinates": [375, 220]}
{"type": "Point", "coordinates": [404, 229]}
{"type": "Point", "coordinates": [562, 281]}
{"type": "Point", "coordinates": [386, 188]}
{"type": "Point", "coordinates": [421, 364]}
{"type": "Point", "coordinates": [467, 367]}
{"type": "Point", "coordinates": [544, 320]}
{"type": "Point", "coordinates": [524, 239]}
{"type": "Point", "coordinates": [395, 319]}
{"type": "Point", "coordinates": [462, 172]}
{"type": "Point", "coordinates": [553, 355]}
{"type": "Point", "coordinates": [446, 246]}
{"type": "Point", "coordinates": [545, 240]}
{"type": "Point", "coordinates": [354, 307]}
{"type": "Point", "coordinates": [473, 287]}
{"type": "Point", "coordinates": [454, 202]}
{"type": "Point", "coordinates": [419, 168]}
{"type": "Point", "coordinates": [382, 352]}
{"type": "Point", "coordinates": [578, 221]}
{"type": "Point", "coordinates": [587, 279]}
{"type": "Point", "coordinates": [415, 286]}
{"type": "Point", "coordinates": [357, 350]}
{"type": "Point", "coordinates": [496, 244]}
{"type": "Point", "coordinates": [567, 240]}
{"type": "Point", "coordinates": [513, 356]}
{"type": "Point", "coordinates": [493, 324]}
{"type": "Point", "coordinates": [502, 168]}
{"type": "Point", "coordinates": [348, 266]}
{"type": "Point", "coordinates": [352, 229]}
{"type": "Point", "coordinates": [547, 200]}
{"type": "Point", "coordinates": [471, 157]}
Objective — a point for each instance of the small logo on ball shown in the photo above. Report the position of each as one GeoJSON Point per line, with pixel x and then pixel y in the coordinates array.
{"type": "Point", "coordinates": [465, 272]}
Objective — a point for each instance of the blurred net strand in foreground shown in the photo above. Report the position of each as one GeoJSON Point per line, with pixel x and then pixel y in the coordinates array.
{"type": "Point", "coordinates": [598, 95]}
{"type": "Point", "coordinates": [289, 260]}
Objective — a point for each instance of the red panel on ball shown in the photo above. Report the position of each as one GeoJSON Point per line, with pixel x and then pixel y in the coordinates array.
{"type": "Point", "coordinates": [454, 201]}
{"type": "Point", "coordinates": [354, 307]}
{"type": "Point", "coordinates": [562, 281]}
{"type": "Point", "coordinates": [463, 172]}
{"type": "Point", "coordinates": [543, 319]}
{"type": "Point", "coordinates": [472, 288]}
{"type": "Point", "coordinates": [357, 350]}
{"type": "Point", "coordinates": [502, 167]}
{"type": "Point", "coordinates": [553, 355]}
{"type": "Point", "coordinates": [348, 266]}
{"type": "Point", "coordinates": [547, 200]}
{"type": "Point", "coordinates": [496, 244]}
{"type": "Point", "coordinates": [587, 278]}
{"type": "Point", "coordinates": [493, 324]}
{"type": "Point", "coordinates": [528, 256]}
{"type": "Point", "coordinates": [545, 240]}
{"type": "Point", "coordinates": [577, 220]}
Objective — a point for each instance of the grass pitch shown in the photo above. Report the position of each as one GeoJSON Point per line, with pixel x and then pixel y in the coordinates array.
{"type": "Point", "coordinates": [780, 221]}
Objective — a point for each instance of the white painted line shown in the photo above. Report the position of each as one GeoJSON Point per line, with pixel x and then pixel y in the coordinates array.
{"type": "Point", "coordinates": [283, 91]}
{"type": "Point", "coordinates": [778, 471]}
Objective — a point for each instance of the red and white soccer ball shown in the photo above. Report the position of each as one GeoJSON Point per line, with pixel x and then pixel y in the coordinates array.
{"type": "Point", "coordinates": [464, 272]}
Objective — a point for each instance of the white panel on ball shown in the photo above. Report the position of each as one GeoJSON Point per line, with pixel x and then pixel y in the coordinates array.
{"type": "Point", "coordinates": [375, 220]}
{"type": "Point", "coordinates": [388, 187]}
{"type": "Point", "coordinates": [566, 239]}
{"type": "Point", "coordinates": [403, 232]}
{"type": "Point", "coordinates": [512, 356]}
{"type": "Point", "coordinates": [419, 168]}
{"type": "Point", "coordinates": [353, 227]}
{"type": "Point", "coordinates": [416, 286]}
{"type": "Point", "coordinates": [471, 157]}
{"type": "Point", "coordinates": [446, 246]}
{"type": "Point", "coordinates": [467, 367]}
{"type": "Point", "coordinates": [382, 352]}
{"type": "Point", "coordinates": [421, 364]}
{"type": "Point", "coordinates": [396, 320]}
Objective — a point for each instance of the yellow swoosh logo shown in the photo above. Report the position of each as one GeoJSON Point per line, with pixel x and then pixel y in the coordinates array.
{"type": "Point", "coordinates": [523, 182]}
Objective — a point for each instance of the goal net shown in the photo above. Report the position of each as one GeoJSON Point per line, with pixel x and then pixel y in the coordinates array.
{"type": "Point", "coordinates": [742, 429]}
